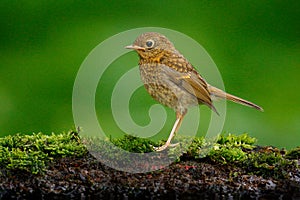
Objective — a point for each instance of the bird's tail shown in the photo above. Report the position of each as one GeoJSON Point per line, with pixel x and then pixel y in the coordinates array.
{"type": "Point", "coordinates": [215, 92]}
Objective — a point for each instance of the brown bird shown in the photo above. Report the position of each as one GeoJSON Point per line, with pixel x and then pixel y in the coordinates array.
{"type": "Point", "coordinates": [172, 80]}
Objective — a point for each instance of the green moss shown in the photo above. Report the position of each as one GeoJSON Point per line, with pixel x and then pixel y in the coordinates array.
{"type": "Point", "coordinates": [238, 151]}
{"type": "Point", "coordinates": [229, 149]}
{"type": "Point", "coordinates": [240, 141]}
{"type": "Point", "coordinates": [268, 164]}
{"type": "Point", "coordinates": [32, 152]}
{"type": "Point", "coordinates": [225, 155]}
{"type": "Point", "coordinates": [135, 144]}
{"type": "Point", "coordinates": [293, 154]}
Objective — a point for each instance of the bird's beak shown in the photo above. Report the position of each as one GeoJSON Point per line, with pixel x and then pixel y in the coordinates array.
{"type": "Point", "coordinates": [135, 47]}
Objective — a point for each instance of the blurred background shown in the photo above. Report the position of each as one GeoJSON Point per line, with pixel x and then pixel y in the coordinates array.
{"type": "Point", "coordinates": [255, 45]}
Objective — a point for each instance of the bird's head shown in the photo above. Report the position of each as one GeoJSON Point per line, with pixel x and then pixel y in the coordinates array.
{"type": "Point", "coordinates": [151, 44]}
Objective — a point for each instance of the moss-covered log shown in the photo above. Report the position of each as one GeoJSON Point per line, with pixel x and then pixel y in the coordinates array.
{"type": "Point", "coordinates": [59, 166]}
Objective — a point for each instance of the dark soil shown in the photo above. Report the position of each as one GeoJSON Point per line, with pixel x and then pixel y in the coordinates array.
{"type": "Point", "coordinates": [86, 178]}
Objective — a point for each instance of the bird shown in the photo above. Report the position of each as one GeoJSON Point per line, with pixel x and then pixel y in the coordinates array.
{"type": "Point", "coordinates": [173, 81]}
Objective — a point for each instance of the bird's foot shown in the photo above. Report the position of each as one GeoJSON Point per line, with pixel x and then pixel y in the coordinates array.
{"type": "Point", "coordinates": [165, 146]}
{"type": "Point", "coordinates": [161, 148]}
{"type": "Point", "coordinates": [174, 145]}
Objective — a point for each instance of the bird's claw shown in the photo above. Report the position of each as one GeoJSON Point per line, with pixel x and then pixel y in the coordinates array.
{"type": "Point", "coordinates": [165, 146]}
{"type": "Point", "coordinates": [161, 148]}
{"type": "Point", "coordinates": [174, 145]}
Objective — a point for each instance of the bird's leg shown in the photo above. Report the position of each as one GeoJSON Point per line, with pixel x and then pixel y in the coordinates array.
{"type": "Point", "coordinates": [180, 116]}
{"type": "Point", "coordinates": [177, 124]}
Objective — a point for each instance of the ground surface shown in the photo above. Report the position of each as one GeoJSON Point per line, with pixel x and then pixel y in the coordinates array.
{"type": "Point", "coordinates": [86, 178]}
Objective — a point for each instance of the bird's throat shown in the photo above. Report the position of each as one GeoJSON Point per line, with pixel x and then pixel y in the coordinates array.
{"type": "Point", "coordinates": [151, 57]}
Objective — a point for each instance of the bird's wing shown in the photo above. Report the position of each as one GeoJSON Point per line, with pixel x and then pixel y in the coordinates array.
{"type": "Point", "coordinates": [191, 82]}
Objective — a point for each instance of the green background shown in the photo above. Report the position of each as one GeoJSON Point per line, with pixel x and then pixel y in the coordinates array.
{"type": "Point", "coordinates": [255, 45]}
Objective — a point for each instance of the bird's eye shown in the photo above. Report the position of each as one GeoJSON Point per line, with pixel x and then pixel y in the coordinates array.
{"type": "Point", "coordinates": [149, 43]}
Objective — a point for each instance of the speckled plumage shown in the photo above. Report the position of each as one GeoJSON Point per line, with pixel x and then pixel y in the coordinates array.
{"type": "Point", "coordinates": [172, 80]}
{"type": "Point", "coordinates": [163, 81]}
{"type": "Point", "coordinates": [164, 72]}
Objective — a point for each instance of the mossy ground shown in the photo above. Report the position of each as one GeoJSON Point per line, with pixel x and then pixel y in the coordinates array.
{"type": "Point", "coordinates": [59, 164]}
